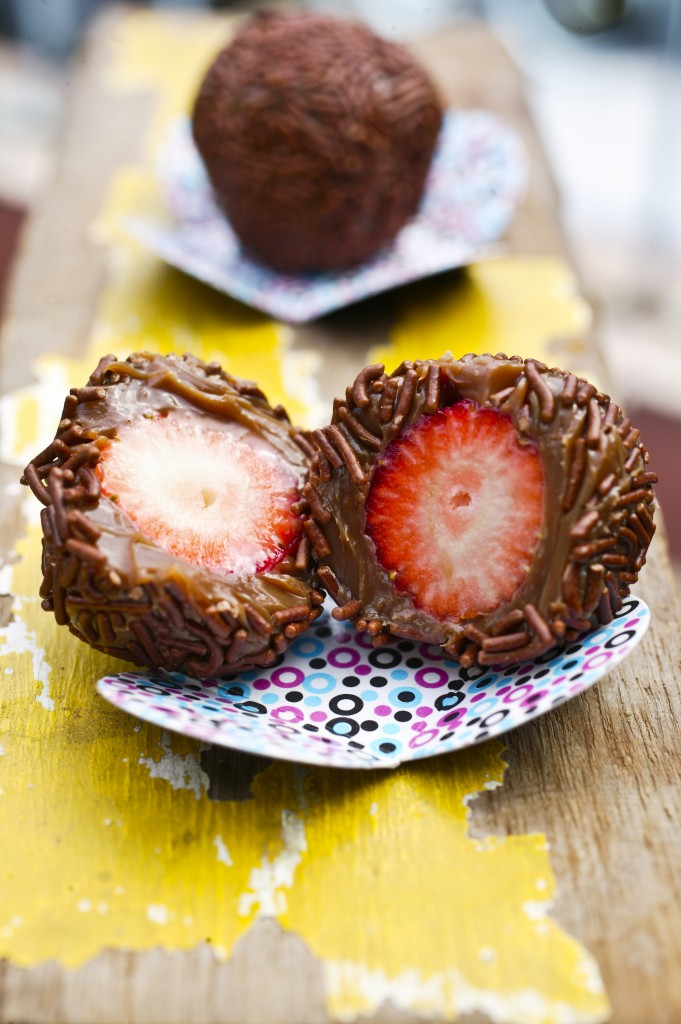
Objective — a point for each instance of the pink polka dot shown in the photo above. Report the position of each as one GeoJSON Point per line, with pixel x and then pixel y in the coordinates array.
{"type": "Point", "coordinates": [424, 712]}
{"type": "Point", "coordinates": [261, 684]}
{"type": "Point", "coordinates": [318, 716]}
{"type": "Point", "coordinates": [363, 670]}
{"type": "Point", "coordinates": [478, 696]}
{"type": "Point", "coordinates": [382, 710]}
{"type": "Point", "coordinates": [592, 650]}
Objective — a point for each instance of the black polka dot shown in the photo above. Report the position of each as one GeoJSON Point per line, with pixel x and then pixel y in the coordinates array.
{"type": "Point", "coordinates": [378, 681]}
{"type": "Point", "coordinates": [414, 662]}
{"type": "Point", "coordinates": [405, 645]}
{"type": "Point", "coordinates": [294, 696]}
{"type": "Point", "coordinates": [369, 726]}
{"type": "Point", "coordinates": [386, 748]}
{"type": "Point", "coordinates": [323, 631]}
{"type": "Point", "coordinates": [405, 696]}
{"type": "Point", "coordinates": [385, 657]}
{"type": "Point", "coordinates": [343, 727]}
{"type": "Point", "coordinates": [446, 736]}
{"type": "Point", "coordinates": [494, 717]}
{"type": "Point", "coordinates": [251, 707]}
{"type": "Point", "coordinates": [543, 672]}
{"type": "Point", "coordinates": [311, 728]}
{"type": "Point", "coordinates": [350, 681]}
{"type": "Point", "coordinates": [620, 638]}
{"type": "Point", "coordinates": [402, 716]}
{"type": "Point", "coordinates": [447, 701]}
{"type": "Point", "coordinates": [569, 664]}
{"type": "Point", "coordinates": [318, 663]}
{"type": "Point", "coordinates": [346, 704]}
{"type": "Point", "coordinates": [356, 745]}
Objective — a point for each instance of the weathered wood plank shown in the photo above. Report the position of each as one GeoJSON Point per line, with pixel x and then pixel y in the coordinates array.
{"type": "Point", "coordinates": [600, 776]}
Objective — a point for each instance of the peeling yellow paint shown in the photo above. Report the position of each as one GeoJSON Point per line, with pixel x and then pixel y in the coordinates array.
{"type": "Point", "coordinates": [109, 838]}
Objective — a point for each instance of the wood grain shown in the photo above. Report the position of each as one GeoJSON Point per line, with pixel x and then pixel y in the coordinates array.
{"type": "Point", "coordinates": [601, 777]}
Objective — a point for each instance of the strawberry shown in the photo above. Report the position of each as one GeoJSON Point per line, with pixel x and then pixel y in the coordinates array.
{"type": "Point", "coordinates": [455, 511]}
{"type": "Point", "coordinates": [206, 491]}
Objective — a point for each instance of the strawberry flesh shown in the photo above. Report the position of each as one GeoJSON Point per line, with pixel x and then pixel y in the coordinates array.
{"type": "Point", "coordinates": [208, 492]}
{"type": "Point", "coordinates": [455, 511]}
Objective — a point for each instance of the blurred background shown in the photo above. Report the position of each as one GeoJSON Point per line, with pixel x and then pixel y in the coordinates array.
{"type": "Point", "coordinates": [604, 82]}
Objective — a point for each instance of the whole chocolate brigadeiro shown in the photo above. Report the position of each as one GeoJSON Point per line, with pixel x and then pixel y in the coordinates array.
{"type": "Point", "coordinates": [317, 136]}
{"type": "Point", "coordinates": [489, 505]}
{"type": "Point", "coordinates": [172, 529]}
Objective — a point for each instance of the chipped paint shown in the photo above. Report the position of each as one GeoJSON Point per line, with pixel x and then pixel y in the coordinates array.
{"type": "Point", "coordinates": [17, 639]}
{"type": "Point", "coordinates": [223, 853]}
{"type": "Point", "coordinates": [267, 881]}
{"type": "Point", "coordinates": [158, 913]}
{"type": "Point", "coordinates": [182, 771]}
{"type": "Point", "coordinates": [411, 992]}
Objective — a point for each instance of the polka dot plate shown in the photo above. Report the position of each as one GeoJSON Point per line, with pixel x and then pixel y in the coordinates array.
{"type": "Point", "coordinates": [476, 180]}
{"type": "Point", "coordinates": [333, 699]}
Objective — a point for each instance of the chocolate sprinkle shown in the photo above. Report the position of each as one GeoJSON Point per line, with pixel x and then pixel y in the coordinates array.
{"type": "Point", "coordinates": [317, 136]}
{"type": "Point", "coordinates": [598, 506]}
{"type": "Point", "coordinates": [127, 596]}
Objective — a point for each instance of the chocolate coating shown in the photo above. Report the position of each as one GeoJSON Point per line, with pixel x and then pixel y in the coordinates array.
{"type": "Point", "coordinates": [119, 591]}
{"type": "Point", "coordinates": [317, 136]}
{"type": "Point", "coordinates": [598, 504]}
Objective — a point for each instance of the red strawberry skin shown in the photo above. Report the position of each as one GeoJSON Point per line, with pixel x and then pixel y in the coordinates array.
{"type": "Point", "coordinates": [455, 511]}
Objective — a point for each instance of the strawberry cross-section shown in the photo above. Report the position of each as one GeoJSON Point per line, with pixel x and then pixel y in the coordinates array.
{"type": "Point", "coordinates": [491, 505]}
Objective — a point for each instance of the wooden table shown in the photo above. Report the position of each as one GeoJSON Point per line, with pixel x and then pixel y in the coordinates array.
{"type": "Point", "coordinates": [145, 879]}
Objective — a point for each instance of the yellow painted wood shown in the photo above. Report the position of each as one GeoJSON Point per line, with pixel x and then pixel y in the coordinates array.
{"type": "Point", "coordinates": [527, 306]}
{"type": "Point", "coordinates": [109, 838]}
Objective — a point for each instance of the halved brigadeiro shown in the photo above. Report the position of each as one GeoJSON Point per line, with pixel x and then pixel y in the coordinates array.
{"type": "Point", "coordinates": [489, 505]}
{"type": "Point", "coordinates": [317, 136]}
{"type": "Point", "coordinates": [173, 534]}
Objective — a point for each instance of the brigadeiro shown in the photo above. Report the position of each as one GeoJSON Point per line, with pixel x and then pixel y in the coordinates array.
{"type": "Point", "coordinates": [490, 505]}
{"type": "Point", "coordinates": [317, 136]}
{"type": "Point", "coordinates": [173, 534]}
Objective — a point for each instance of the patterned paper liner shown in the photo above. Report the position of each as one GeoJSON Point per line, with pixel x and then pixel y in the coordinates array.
{"type": "Point", "coordinates": [476, 181]}
{"type": "Point", "coordinates": [333, 699]}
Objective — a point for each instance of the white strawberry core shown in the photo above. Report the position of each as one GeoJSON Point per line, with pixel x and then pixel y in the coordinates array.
{"type": "Point", "coordinates": [455, 511]}
{"type": "Point", "coordinates": [208, 492]}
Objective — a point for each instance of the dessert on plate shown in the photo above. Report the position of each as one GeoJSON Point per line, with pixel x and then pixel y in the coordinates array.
{"type": "Point", "coordinates": [317, 136]}
{"type": "Point", "coordinates": [490, 505]}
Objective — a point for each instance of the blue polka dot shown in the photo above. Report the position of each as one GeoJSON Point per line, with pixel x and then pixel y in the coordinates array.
{"type": "Point", "coordinates": [391, 728]}
{"type": "Point", "coordinates": [269, 698]}
{"type": "Point", "coordinates": [405, 697]}
{"type": "Point", "coordinates": [368, 695]}
{"type": "Point", "coordinates": [234, 691]}
{"type": "Point", "coordinates": [307, 647]}
{"type": "Point", "coordinates": [319, 682]}
{"type": "Point", "coordinates": [312, 702]}
{"type": "Point", "coordinates": [399, 673]}
{"type": "Point", "coordinates": [340, 728]}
